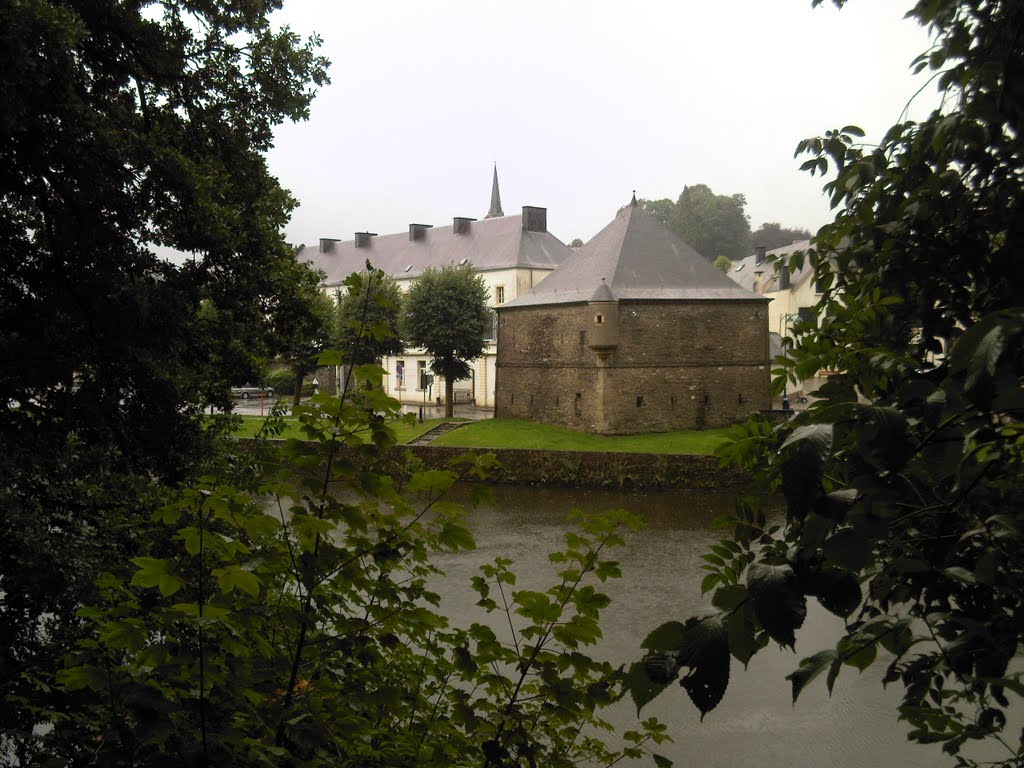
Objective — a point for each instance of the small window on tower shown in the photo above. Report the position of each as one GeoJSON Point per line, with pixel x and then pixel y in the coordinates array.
{"type": "Point", "coordinates": [599, 319]}
{"type": "Point", "coordinates": [499, 294]}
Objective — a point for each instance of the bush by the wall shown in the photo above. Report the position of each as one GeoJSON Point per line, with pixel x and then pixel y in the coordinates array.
{"type": "Point", "coordinates": [282, 381]}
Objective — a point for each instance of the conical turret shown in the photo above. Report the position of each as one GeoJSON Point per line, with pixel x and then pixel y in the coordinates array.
{"type": "Point", "coordinates": [495, 211]}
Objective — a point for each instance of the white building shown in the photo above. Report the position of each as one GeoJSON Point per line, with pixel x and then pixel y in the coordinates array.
{"type": "Point", "coordinates": [511, 253]}
{"type": "Point", "coordinates": [793, 294]}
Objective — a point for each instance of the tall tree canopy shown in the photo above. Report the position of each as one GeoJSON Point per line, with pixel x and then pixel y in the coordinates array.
{"type": "Point", "coordinates": [445, 312]}
{"type": "Point", "coordinates": [714, 225]}
{"type": "Point", "coordinates": [304, 322]}
{"type": "Point", "coordinates": [123, 124]}
{"type": "Point", "coordinates": [369, 311]}
{"type": "Point", "coordinates": [902, 484]}
{"type": "Point", "coordinates": [773, 235]}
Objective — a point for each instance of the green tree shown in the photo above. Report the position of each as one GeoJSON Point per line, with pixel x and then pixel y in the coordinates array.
{"type": "Point", "coordinates": [663, 210]}
{"type": "Point", "coordinates": [723, 263]}
{"type": "Point", "coordinates": [773, 235]}
{"type": "Point", "coordinates": [369, 310]}
{"type": "Point", "coordinates": [123, 124]}
{"type": "Point", "coordinates": [902, 482]}
{"type": "Point", "coordinates": [713, 225]}
{"type": "Point", "coordinates": [305, 320]}
{"type": "Point", "coordinates": [445, 312]}
{"type": "Point", "coordinates": [576, 243]}
{"type": "Point", "coordinates": [292, 619]}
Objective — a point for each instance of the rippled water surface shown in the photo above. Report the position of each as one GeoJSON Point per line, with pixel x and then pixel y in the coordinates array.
{"type": "Point", "coordinates": [756, 724]}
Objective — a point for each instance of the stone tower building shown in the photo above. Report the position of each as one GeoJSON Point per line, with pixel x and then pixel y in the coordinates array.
{"type": "Point", "coordinates": [635, 332]}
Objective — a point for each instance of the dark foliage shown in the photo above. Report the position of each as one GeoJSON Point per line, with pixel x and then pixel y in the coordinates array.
{"type": "Point", "coordinates": [903, 482]}
{"type": "Point", "coordinates": [123, 124]}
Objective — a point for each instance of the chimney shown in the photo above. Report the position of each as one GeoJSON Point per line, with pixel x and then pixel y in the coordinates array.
{"type": "Point", "coordinates": [783, 278]}
{"type": "Point", "coordinates": [327, 244]}
{"type": "Point", "coordinates": [460, 225]}
{"type": "Point", "coordinates": [535, 219]}
{"type": "Point", "coordinates": [418, 231]}
{"type": "Point", "coordinates": [760, 251]}
{"type": "Point", "coordinates": [758, 283]}
{"type": "Point", "coordinates": [363, 239]}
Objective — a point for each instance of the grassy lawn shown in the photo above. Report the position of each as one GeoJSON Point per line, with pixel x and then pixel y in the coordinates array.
{"type": "Point", "coordinates": [405, 432]}
{"type": "Point", "coordinates": [514, 433]}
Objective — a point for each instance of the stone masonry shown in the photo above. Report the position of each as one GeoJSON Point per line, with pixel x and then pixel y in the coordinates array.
{"type": "Point", "coordinates": [677, 365]}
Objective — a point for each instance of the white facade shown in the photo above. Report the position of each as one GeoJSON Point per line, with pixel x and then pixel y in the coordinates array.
{"type": "Point", "coordinates": [511, 253]}
{"type": "Point", "coordinates": [405, 381]}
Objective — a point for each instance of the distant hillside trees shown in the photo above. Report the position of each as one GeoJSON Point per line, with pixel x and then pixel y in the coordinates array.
{"type": "Point", "coordinates": [714, 225]}
{"type": "Point", "coordinates": [772, 235]}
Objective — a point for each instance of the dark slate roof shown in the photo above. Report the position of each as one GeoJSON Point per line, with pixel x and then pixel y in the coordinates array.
{"type": "Point", "coordinates": [639, 259]}
{"type": "Point", "coordinates": [487, 245]}
{"type": "Point", "coordinates": [743, 271]}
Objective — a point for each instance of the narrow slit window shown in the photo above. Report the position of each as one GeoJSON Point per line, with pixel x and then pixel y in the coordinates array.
{"type": "Point", "coordinates": [639, 401]}
{"type": "Point", "coordinates": [599, 319]}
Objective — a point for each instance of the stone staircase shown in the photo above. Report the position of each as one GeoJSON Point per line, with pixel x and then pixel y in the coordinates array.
{"type": "Point", "coordinates": [435, 432]}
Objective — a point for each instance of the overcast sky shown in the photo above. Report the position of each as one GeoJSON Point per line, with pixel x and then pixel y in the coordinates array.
{"type": "Point", "coordinates": [579, 102]}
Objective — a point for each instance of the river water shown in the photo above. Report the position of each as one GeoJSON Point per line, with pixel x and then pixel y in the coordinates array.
{"type": "Point", "coordinates": [756, 724]}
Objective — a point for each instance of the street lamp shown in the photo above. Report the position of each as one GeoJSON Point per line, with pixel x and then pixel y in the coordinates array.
{"type": "Point", "coordinates": [783, 320]}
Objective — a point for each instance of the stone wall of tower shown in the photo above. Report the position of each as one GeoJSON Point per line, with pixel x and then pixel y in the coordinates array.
{"type": "Point", "coordinates": [678, 365]}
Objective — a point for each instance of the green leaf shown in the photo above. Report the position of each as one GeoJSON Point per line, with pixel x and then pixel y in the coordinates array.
{"type": "Point", "coordinates": [126, 635]}
{"type": "Point", "coordinates": [536, 606]}
{"type": "Point", "coordinates": [642, 689]}
{"type": "Point", "coordinates": [709, 582]}
{"type": "Point", "coordinates": [838, 591]}
{"type": "Point", "coordinates": [779, 605]}
{"type": "Point", "coordinates": [667, 637]}
{"type": "Point", "coordinates": [809, 669]}
{"type": "Point", "coordinates": [433, 481]}
{"type": "Point", "coordinates": [848, 548]}
{"type": "Point", "coordinates": [153, 573]}
{"type": "Point", "coordinates": [83, 676]}
{"type": "Point", "coordinates": [454, 537]}
{"type": "Point", "coordinates": [858, 651]}
{"type": "Point", "coordinates": [705, 651]}
{"type": "Point", "coordinates": [309, 528]}
{"type": "Point", "coordinates": [742, 644]}
{"type": "Point", "coordinates": [235, 579]}
{"type": "Point", "coordinates": [729, 597]}
{"type": "Point", "coordinates": [803, 456]}
{"type": "Point", "coordinates": [661, 762]}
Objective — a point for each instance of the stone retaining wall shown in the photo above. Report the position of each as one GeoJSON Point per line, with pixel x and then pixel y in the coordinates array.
{"type": "Point", "coordinates": [581, 469]}
{"type": "Point", "coordinates": [586, 469]}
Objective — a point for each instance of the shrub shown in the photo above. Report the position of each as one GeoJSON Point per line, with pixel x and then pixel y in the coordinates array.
{"type": "Point", "coordinates": [282, 381]}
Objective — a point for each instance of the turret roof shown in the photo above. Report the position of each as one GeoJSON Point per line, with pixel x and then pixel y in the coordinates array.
{"type": "Point", "coordinates": [639, 259]}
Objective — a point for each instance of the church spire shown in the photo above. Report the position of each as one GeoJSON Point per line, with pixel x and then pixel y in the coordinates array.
{"type": "Point", "coordinates": [495, 198]}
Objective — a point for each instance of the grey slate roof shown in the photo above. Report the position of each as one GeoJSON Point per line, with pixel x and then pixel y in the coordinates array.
{"type": "Point", "coordinates": [490, 244]}
{"type": "Point", "coordinates": [639, 259]}
{"type": "Point", "coordinates": [743, 272]}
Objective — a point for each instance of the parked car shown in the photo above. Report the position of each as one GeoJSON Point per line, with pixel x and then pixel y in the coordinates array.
{"type": "Point", "coordinates": [248, 391]}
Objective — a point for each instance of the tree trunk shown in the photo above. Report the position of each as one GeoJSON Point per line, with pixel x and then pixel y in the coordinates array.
{"type": "Point", "coordinates": [449, 397]}
{"type": "Point", "coordinates": [299, 376]}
